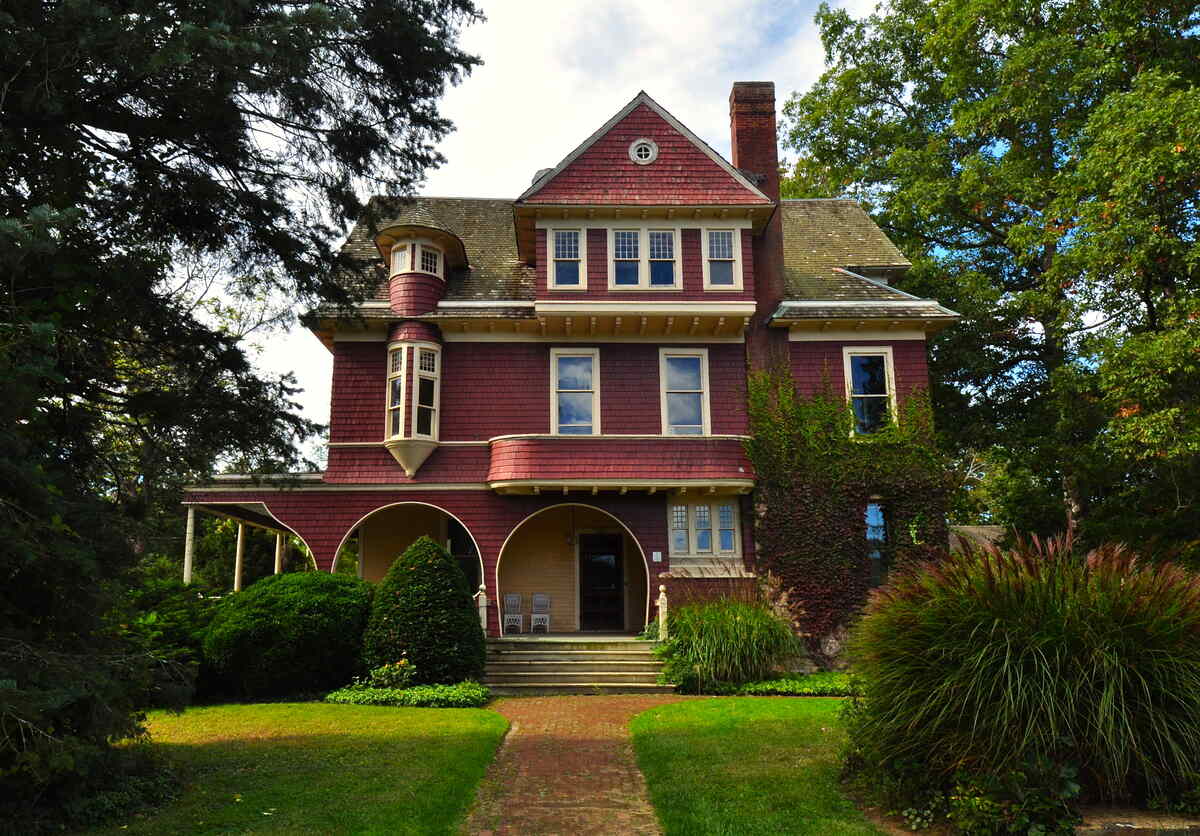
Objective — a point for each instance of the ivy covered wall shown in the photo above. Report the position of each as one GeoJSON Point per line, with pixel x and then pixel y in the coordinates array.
{"type": "Point", "coordinates": [815, 481]}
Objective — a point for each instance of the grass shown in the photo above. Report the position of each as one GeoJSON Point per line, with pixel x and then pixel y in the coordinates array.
{"type": "Point", "coordinates": [746, 765]}
{"type": "Point", "coordinates": [291, 768]}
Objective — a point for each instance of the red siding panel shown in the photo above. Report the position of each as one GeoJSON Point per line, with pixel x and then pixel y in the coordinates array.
{"type": "Point", "coordinates": [358, 399]}
{"type": "Point", "coordinates": [412, 294]}
{"type": "Point", "coordinates": [814, 362]}
{"type": "Point", "coordinates": [682, 173]}
{"type": "Point", "coordinates": [532, 459]}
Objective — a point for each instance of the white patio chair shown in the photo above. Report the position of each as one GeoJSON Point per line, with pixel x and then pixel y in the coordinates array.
{"type": "Point", "coordinates": [541, 613]}
{"type": "Point", "coordinates": [512, 613]}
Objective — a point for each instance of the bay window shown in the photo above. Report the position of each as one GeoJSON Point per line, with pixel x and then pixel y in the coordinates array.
{"type": "Point", "coordinates": [425, 390]}
{"type": "Point", "coordinates": [575, 391]}
{"type": "Point", "coordinates": [413, 390]}
{"type": "Point", "coordinates": [395, 385]}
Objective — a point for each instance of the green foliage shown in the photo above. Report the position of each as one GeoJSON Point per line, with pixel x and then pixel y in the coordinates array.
{"type": "Point", "coordinates": [424, 612]}
{"type": "Point", "coordinates": [1040, 166]}
{"type": "Point", "coordinates": [725, 642]}
{"type": "Point", "coordinates": [822, 684]}
{"type": "Point", "coordinates": [288, 634]}
{"type": "Point", "coordinates": [815, 480]}
{"type": "Point", "coordinates": [1032, 660]}
{"type": "Point", "coordinates": [461, 695]}
{"type": "Point", "coordinates": [392, 675]}
{"type": "Point", "coordinates": [1039, 798]}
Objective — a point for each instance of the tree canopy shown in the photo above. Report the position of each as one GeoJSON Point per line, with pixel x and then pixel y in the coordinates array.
{"type": "Point", "coordinates": [137, 137]}
{"type": "Point", "coordinates": [1040, 165]}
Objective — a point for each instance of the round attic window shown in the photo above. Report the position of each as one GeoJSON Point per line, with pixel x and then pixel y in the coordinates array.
{"type": "Point", "coordinates": [643, 151]}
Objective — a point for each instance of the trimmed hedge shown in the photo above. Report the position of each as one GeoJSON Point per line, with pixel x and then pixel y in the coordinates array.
{"type": "Point", "coordinates": [288, 635]}
{"type": "Point", "coordinates": [424, 612]}
{"type": "Point", "coordinates": [462, 695]}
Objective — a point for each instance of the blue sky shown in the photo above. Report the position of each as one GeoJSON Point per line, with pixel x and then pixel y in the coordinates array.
{"type": "Point", "coordinates": [555, 71]}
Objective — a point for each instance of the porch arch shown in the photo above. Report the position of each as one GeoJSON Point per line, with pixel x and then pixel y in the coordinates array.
{"type": "Point", "coordinates": [610, 520]}
{"type": "Point", "coordinates": [429, 506]}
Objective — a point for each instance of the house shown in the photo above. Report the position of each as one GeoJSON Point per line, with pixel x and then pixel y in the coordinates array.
{"type": "Point", "coordinates": [555, 385]}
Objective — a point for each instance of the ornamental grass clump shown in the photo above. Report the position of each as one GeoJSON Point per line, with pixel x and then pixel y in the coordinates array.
{"type": "Point", "coordinates": [726, 642]}
{"type": "Point", "coordinates": [993, 660]}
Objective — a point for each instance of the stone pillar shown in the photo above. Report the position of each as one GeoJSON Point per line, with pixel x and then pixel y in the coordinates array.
{"type": "Point", "coordinates": [662, 614]}
{"type": "Point", "coordinates": [240, 560]}
{"type": "Point", "coordinates": [189, 545]}
{"type": "Point", "coordinates": [482, 602]}
{"type": "Point", "coordinates": [278, 552]}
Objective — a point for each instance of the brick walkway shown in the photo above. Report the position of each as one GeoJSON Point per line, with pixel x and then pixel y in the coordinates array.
{"type": "Point", "coordinates": [566, 767]}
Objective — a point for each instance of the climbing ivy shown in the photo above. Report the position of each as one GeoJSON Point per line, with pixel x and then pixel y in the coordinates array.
{"type": "Point", "coordinates": [815, 479]}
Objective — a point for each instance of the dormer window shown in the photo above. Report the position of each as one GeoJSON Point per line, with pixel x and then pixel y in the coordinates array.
{"type": "Point", "coordinates": [568, 268]}
{"type": "Point", "coordinates": [645, 258]}
{"type": "Point", "coordinates": [431, 260]}
{"type": "Point", "coordinates": [400, 254]}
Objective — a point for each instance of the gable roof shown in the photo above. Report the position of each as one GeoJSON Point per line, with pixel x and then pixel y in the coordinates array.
{"type": "Point", "coordinates": [485, 227]}
{"type": "Point", "coordinates": [687, 170]}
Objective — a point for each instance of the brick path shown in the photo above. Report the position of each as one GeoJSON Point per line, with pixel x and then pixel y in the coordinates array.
{"type": "Point", "coordinates": [566, 767]}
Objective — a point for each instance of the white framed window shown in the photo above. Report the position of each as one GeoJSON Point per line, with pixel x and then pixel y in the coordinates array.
{"type": "Point", "coordinates": [400, 257]}
{"type": "Point", "coordinates": [575, 391]}
{"type": "Point", "coordinates": [427, 378]}
{"type": "Point", "coordinates": [644, 258]}
{"type": "Point", "coordinates": [704, 527]}
{"type": "Point", "coordinates": [395, 388]}
{"type": "Point", "coordinates": [568, 258]}
{"type": "Point", "coordinates": [722, 259]}
{"type": "Point", "coordinates": [430, 260]}
{"type": "Point", "coordinates": [870, 386]}
{"type": "Point", "coordinates": [683, 382]}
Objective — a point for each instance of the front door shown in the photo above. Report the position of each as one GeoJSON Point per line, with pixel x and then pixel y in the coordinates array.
{"type": "Point", "coordinates": [601, 583]}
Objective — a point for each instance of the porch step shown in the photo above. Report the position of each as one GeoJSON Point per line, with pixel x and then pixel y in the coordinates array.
{"type": "Point", "coordinates": [569, 665]}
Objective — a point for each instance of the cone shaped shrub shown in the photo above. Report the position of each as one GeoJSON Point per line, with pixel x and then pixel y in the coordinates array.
{"type": "Point", "coordinates": [992, 660]}
{"type": "Point", "coordinates": [288, 634]}
{"type": "Point", "coordinates": [424, 612]}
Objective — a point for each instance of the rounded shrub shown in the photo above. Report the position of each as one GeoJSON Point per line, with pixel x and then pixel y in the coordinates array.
{"type": "Point", "coordinates": [423, 611]}
{"type": "Point", "coordinates": [288, 634]}
{"type": "Point", "coordinates": [725, 642]}
{"type": "Point", "coordinates": [994, 663]}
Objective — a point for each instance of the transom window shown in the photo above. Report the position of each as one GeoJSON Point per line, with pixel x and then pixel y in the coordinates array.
{"type": "Point", "coordinates": [704, 527]}
{"type": "Point", "coordinates": [568, 262]}
{"type": "Point", "coordinates": [644, 258]}
{"type": "Point", "coordinates": [575, 384]}
{"type": "Point", "coordinates": [722, 259]}
{"type": "Point", "coordinates": [869, 387]}
{"type": "Point", "coordinates": [684, 381]}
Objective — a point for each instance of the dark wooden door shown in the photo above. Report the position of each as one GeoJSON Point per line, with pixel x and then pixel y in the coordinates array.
{"type": "Point", "coordinates": [601, 582]}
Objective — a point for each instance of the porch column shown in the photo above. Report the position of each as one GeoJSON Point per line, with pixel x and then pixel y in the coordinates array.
{"type": "Point", "coordinates": [189, 545]}
{"type": "Point", "coordinates": [240, 559]}
{"type": "Point", "coordinates": [278, 552]}
{"type": "Point", "coordinates": [482, 602]}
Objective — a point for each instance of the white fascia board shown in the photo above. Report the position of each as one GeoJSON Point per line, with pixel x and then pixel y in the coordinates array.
{"type": "Point", "coordinates": [648, 308]}
{"type": "Point", "coordinates": [496, 303]}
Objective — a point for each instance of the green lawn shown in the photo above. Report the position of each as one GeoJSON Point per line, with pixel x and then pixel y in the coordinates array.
{"type": "Point", "coordinates": [316, 768]}
{"type": "Point", "coordinates": [746, 765]}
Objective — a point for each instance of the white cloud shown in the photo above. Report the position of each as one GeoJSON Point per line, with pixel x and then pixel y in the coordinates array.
{"type": "Point", "coordinates": [554, 72]}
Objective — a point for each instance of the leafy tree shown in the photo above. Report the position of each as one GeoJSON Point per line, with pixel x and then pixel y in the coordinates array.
{"type": "Point", "coordinates": [1040, 165]}
{"type": "Point", "coordinates": [135, 135]}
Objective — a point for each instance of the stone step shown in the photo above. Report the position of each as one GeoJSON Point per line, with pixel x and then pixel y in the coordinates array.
{"type": "Point", "coordinates": [569, 656]}
{"type": "Point", "coordinates": [570, 666]}
{"type": "Point", "coordinates": [555, 645]}
{"type": "Point", "coordinates": [569, 677]}
{"type": "Point", "coordinates": [538, 689]}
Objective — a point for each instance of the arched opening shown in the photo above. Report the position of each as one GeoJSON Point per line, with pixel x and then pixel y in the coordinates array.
{"type": "Point", "coordinates": [383, 535]}
{"type": "Point", "coordinates": [586, 561]}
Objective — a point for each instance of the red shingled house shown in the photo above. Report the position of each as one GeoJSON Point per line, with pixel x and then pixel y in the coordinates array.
{"type": "Point", "coordinates": [555, 386]}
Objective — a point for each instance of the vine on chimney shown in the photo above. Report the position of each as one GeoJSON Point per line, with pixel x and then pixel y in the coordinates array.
{"type": "Point", "coordinates": [814, 482]}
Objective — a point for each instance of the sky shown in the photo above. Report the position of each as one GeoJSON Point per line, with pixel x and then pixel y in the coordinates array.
{"type": "Point", "coordinates": [554, 72]}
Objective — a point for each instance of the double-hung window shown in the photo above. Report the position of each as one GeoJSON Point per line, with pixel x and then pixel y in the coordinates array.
{"type": "Point", "coordinates": [722, 259]}
{"type": "Point", "coordinates": [575, 391]}
{"type": "Point", "coordinates": [869, 387]}
{"type": "Point", "coordinates": [644, 258]}
{"type": "Point", "coordinates": [683, 378]}
{"type": "Point", "coordinates": [425, 390]}
{"type": "Point", "coordinates": [568, 267]}
{"type": "Point", "coordinates": [705, 527]}
{"type": "Point", "coordinates": [395, 415]}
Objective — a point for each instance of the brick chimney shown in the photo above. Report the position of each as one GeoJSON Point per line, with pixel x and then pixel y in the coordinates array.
{"type": "Point", "coordinates": [752, 132]}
